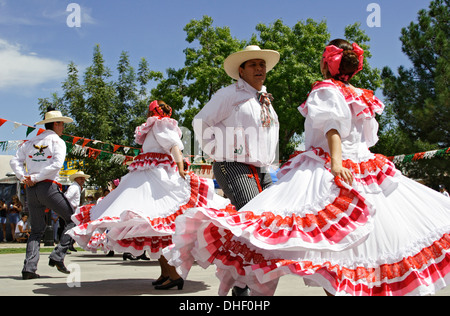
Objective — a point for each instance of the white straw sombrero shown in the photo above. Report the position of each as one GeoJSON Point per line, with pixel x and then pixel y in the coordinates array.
{"type": "Point", "coordinates": [78, 174]}
{"type": "Point", "coordinates": [54, 116]}
{"type": "Point", "coordinates": [232, 63]}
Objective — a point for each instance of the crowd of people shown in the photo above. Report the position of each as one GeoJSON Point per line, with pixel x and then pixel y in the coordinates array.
{"type": "Point", "coordinates": [339, 216]}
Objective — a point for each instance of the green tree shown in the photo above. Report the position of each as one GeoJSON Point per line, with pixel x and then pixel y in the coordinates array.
{"type": "Point", "coordinates": [188, 89]}
{"type": "Point", "coordinates": [104, 109]}
{"type": "Point", "coordinates": [418, 97]}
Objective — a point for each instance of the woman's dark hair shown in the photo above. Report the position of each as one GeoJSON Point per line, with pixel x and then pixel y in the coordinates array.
{"type": "Point", "coordinates": [350, 62]}
{"type": "Point", "coordinates": [166, 108]}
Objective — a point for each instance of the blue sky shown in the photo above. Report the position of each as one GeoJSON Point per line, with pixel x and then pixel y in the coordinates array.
{"type": "Point", "coordinates": [36, 43]}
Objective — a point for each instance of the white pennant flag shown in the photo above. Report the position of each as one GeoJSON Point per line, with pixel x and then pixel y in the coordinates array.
{"type": "Point", "coordinates": [16, 126]}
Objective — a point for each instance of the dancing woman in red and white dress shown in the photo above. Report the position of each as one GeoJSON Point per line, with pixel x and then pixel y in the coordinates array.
{"type": "Point", "coordinates": [341, 217]}
{"type": "Point", "coordinates": [140, 213]}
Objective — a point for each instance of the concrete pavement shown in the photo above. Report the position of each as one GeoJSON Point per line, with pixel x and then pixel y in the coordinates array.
{"type": "Point", "coordinates": [98, 275]}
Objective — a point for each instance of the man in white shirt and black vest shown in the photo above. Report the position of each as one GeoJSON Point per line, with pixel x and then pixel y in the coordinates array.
{"type": "Point", "coordinates": [37, 164]}
{"type": "Point", "coordinates": [239, 129]}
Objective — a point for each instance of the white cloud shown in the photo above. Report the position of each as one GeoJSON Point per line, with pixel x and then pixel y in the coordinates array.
{"type": "Point", "coordinates": [19, 69]}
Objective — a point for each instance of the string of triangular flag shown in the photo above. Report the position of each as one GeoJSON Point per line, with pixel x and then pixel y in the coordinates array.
{"type": "Point", "coordinates": [11, 145]}
{"type": "Point", "coordinates": [108, 150]}
{"type": "Point", "coordinates": [84, 150]}
{"type": "Point", "coordinates": [93, 153]}
{"type": "Point", "coordinates": [30, 129]}
{"type": "Point", "coordinates": [422, 155]}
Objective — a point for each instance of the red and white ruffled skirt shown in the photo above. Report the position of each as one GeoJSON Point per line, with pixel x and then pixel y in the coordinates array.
{"type": "Point", "coordinates": [140, 213]}
{"type": "Point", "coordinates": [384, 235]}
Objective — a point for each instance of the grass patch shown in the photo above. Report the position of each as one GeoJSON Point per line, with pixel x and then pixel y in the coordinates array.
{"type": "Point", "coordinates": [23, 250]}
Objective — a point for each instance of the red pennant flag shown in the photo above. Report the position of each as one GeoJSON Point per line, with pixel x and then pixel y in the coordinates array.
{"type": "Point", "coordinates": [85, 142]}
{"type": "Point", "coordinates": [75, 140]}
{"type": "Point", "coordinates": [40, 131]}
{"type": "Point", "coordinates": [93, 153]}
{"type": "Point", "coordinates": [116, 147]}
{"type": "Point", "coordinates": [418, 156]}
{"type": "Point", "coordinates": [127, 159]}
{"type": "Point", "coordinates": [2, 121]}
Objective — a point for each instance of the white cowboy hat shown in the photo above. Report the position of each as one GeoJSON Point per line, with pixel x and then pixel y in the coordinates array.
{"type": "Point", "coordinates": [232, 63]}
{"type": "Point", "coordinates": [54, 116]}
{"type": "Point", "coordinates": [79, 174]}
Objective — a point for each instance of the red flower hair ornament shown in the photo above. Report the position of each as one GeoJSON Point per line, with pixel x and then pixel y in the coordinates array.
{"type": "Point", "coordinates": [333, 56]}
{"type": "Point", "coordinates": [154, 106]}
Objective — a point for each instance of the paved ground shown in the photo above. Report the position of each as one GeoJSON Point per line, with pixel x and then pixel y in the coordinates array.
{"type": "Point", "coordinates": [98, 275]}
{"type": "Point", "coordinates": [101, 275]}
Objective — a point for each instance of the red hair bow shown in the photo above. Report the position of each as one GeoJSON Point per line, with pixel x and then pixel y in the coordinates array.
{"type": "Point", "coordinates": [333, 56]}
{"type": "Point", "coordinates": [154, 106]}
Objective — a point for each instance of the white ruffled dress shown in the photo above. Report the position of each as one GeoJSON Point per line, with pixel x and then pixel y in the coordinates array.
{"type": "Point", "coordinates": [140, 213]}
{"type": "Point", "coordinates": [384, 235]}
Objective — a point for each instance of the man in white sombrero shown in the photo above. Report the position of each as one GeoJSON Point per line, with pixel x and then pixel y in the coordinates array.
{"type": "Point", "coordinates": [73, 193]}
{"type": "Point", "coordinates": [37, 164]}
{"type": "Point", "coordinates": [239, 128]}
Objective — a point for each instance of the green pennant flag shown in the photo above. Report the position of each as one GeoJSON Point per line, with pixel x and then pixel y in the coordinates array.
{"type": "Point", "coordinates": [408, 158]}
{"type": "Point", "coordinates": [440, 153]}
{"type": "Point", "coordinates": [30, 129]}
{"type": "Point", "coordinates": [105, 155]}
{"type": "Point", "coordinates": [69, 147]}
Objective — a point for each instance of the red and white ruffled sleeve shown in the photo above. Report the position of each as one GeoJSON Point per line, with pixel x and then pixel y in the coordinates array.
{"type": "Point", "coordinates": [327, 109]}
{"type": "Point", "coordinates": [141, 132]}
{"type": "Point", "coordinates": [167, 133]}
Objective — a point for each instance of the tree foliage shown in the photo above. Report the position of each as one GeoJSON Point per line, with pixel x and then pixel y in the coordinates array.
{"type": "Point", "coordinates": [188, 89]}
{"type": "Point", "coordinates": [418, 97]}
{"type": "Point", "coordinates": [104, 109]}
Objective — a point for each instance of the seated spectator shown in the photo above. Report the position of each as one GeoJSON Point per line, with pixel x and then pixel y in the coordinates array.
{"type": "Point", "coordinates": [22, 229]}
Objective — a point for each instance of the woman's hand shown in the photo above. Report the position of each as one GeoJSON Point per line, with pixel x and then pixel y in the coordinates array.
{"type": "Point", "coordinates": [343, 173]}
{"type": "Point", "coordinates": [178, 157]}
{"type": "Point", "coordinates": [182, 173]}
{"type": "Point", "coordinates": [337, 169]}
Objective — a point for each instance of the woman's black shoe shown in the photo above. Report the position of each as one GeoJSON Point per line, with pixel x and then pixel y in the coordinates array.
{"type": "Point", "coordinates": [178, 282]}
{"type": "Point", "coordinates": [160, 280]}
{"type": "Point", "coordinates": [129, 256]}
{"type": "Point", "coordinates": [143, 257]}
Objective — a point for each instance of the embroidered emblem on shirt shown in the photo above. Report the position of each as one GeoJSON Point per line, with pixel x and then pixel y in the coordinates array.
{"type": "Point", "coordinates": [39, 153]}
